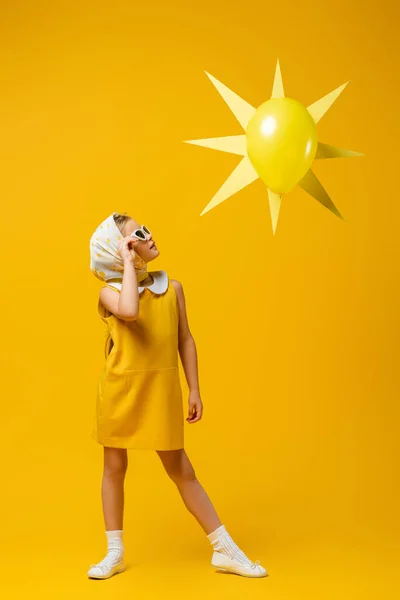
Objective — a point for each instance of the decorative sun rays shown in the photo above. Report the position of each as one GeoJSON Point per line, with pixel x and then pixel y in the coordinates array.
{"type": "Point", "coordinates": [245, 173]}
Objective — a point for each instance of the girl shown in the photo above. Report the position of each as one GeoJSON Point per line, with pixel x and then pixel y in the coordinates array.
{"type": "Point", "coordinates": [139, 400]}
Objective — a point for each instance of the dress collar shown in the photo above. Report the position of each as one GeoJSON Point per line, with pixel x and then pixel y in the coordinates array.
{"type": "Point", "coordinates": [159, 285]}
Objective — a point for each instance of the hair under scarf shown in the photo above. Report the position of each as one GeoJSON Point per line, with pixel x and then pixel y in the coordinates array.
{"type": "Point", "coordinates": [105, 262]}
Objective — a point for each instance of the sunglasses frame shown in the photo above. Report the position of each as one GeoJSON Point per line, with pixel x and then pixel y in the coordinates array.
{"type": "Point", "coordinates": [133, 234]}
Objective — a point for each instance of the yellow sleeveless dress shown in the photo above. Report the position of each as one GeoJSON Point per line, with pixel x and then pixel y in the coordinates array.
{"type": "Point", "coordinates": [139, 396]}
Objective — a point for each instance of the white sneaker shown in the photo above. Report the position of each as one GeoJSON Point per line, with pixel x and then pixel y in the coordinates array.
{"type": "Point", "coordinates": [224, 563]}
{"type": "Point", "coordinates": [106, 568]}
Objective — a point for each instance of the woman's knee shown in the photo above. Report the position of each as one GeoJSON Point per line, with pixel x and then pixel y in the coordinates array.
{"type": "Point", "coordinates": [177, 466]}
{"type": "Point", "coordinates": [115, 461]}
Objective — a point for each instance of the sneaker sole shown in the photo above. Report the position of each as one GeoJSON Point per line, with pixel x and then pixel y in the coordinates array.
{"type": "Point", "coordinates": [225, 570]}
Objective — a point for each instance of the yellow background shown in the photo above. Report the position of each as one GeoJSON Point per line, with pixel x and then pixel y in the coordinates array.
{"type": "Point", "coordinates": [297, 334]}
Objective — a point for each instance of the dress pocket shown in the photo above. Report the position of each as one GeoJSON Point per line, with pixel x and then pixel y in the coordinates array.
{"type": "Point", "coordinates": [153, 405]}
{"type": "Point", "coordinates": [153, 390]}
{"type": "Point", "coordinates": [111, 389]}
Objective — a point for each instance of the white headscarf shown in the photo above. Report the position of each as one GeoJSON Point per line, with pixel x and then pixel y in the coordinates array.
{"type": "Point", "coordinates": [105, 262]}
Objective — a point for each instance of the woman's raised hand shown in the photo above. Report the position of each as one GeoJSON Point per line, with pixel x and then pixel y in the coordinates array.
{"type": "Point", "coordinates": [125, 250]}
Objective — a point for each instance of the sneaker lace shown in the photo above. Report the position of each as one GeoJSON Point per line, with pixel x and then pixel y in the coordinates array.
{"type": "Point", "coordinates": [255, 564]}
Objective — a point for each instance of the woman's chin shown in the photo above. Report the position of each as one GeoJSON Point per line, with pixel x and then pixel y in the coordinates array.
{"type": "Point", "coordinates": [154, 254]}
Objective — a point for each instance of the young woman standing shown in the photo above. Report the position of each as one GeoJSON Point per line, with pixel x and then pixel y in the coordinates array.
{"type": "Point", "coordinates": [139, 400]}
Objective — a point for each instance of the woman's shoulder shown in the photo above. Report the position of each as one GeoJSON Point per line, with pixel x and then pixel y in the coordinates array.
{"type": "Point", "coordinates": [177, 284]}
{"type": "Point", "coordinates": [104, 313]}
{"type": "Point", "coordinates": [178, 287]}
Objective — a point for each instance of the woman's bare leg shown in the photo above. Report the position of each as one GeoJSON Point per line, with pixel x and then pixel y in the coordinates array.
{"type": "Point", "coordinates": [227, 555]}
{"type": "Point", "coordinates": [112, 493]}
{"type": "Point", "coordinates": [112, 488]}
{"type": "Point", "coordinates": [180, 470]}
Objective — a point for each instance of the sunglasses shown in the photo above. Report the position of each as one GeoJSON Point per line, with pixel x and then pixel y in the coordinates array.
{"type": "Point", "coordinates": [140, 233]}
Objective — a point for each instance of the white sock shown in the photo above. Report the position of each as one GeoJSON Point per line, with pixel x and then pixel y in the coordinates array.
{"type": "Point", "coordinates": [115, 548]}
{"type": "Point", "coordinates": [115, 543]}
{"type": "Point", "coordinates": [222, 542]}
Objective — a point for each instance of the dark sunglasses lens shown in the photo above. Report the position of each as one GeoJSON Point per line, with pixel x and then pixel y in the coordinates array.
{"type": "Point", "coordinates": [147, 230]}
{"type": "Point", "coordinates": [139, 233]}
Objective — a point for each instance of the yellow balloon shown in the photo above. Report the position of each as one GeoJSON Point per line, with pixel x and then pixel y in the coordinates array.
{"type": "Point", "coordinates": [281, 140]}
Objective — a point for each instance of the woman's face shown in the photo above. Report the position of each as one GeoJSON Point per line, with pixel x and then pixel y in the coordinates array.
{"type": "Point", "coordinates": [147, 250]}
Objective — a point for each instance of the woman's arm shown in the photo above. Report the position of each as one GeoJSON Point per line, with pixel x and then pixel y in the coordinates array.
{"type": "Point", "coordinates": [129, 295]}
{"type": "Point", "coordinates": [188, 354]}
{"type": "Point", "coordinates": [123, 303]}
